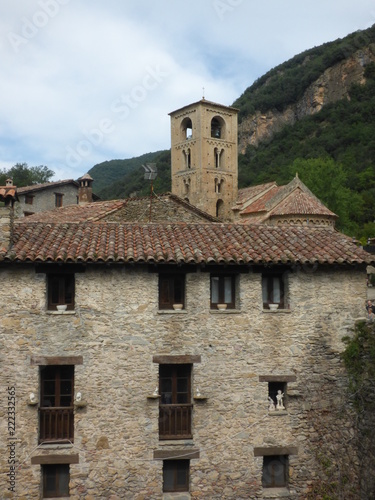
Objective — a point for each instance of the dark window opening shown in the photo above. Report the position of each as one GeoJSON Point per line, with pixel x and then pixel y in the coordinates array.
{"type": "Point", "coordinates": [55, 480]}
{"type": "Point", "coordinates": [60, 291]}
{"type": "Point", "coordinates": [215, 128]}
{"type": "Point", "coordinates": [175, 406]}
{"type": "Point", "coordinates": [176, 475]}
{"type": "Point", "coordinates": [273, 290]}
{"type": "Point", "coordinates": [219, 208]}
{"type": "Point", "coordinates": [26, 214]}
{"type": "Point", "coordinates": [56, 420]}
{"type": "Point", "coordinates": [29, 199]}
{"type": "Point", "coordinates": [275, 471]}
{"type": "Point", "coordinates": [171, 290]}
{"type": "Point", "coordinates": [223, 291]}
{"type": "Point", "coordinates": [58, 200]}
{"type": "Point", "coordinates": [273, 393]}
{"type": "Point", "coordinates": [187, 129]}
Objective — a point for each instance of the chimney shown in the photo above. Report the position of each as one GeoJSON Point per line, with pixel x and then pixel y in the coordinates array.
{"type": "Point", "coordinates": [8, 195]}
{"type": "Point", "coordinates": [85, 189]}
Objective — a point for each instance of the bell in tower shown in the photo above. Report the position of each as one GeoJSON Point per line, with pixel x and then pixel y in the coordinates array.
{"type": "Point", "coordinates": [204, 156]}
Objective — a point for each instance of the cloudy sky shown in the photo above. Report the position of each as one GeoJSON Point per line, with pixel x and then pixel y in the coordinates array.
{"type": "Point", "coordinates": [84, 81]}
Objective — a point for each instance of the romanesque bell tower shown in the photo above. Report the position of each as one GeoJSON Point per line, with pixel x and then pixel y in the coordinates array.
{"type": "Point", "coordinates": [204, 156]}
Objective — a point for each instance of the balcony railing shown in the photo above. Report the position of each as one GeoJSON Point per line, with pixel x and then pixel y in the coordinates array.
{"type": "Point", "coordinates": [56, 423]}
{"type": "Point", "coordinates": [175, 421]}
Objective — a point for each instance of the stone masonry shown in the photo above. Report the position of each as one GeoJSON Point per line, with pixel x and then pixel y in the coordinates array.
{"type": "Point", "coordinates": [117, 329]}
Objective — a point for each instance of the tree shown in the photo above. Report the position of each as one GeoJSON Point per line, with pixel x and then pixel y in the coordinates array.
{"type": "Point", "coordinates": [23, 175]}
{"type": "Point", "coordinates": [328, 181]}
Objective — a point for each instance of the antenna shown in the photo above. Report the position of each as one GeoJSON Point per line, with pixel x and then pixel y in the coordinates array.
{"type": "Point", "coordinates": [150, 175]}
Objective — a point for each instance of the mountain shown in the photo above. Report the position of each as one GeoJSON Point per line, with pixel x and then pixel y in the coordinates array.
{"type": "Point", "coordinates": [313, 112]}
{"type": "Point", "coordinates": [111, 172]}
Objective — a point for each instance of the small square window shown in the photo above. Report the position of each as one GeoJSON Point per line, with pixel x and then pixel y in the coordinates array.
{"type": "Point", "coordinates": [60, 291]}
{"type": "Point", "coordinates": [55, 480]}
{"type": "Point", "coordinates": [273, 290]}
{"type": "Point", "coordinates": [176, 475]}
{"type": "Point", "coordinates": [223, 290]}
{"type": "Point", "coordinates": [275, 471]}
{"type": "Point", "coordinates": [171, 290]}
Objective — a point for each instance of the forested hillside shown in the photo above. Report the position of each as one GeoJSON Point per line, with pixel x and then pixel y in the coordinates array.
{"type": "Point", "coordinates": [326, 100]}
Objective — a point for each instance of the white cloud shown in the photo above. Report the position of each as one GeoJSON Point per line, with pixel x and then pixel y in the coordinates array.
{"type": "Point", "coordinates": [85, 81]}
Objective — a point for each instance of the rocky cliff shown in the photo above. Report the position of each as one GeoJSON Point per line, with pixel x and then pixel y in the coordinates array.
{"type": "Point", "coordinates": [331, 86]}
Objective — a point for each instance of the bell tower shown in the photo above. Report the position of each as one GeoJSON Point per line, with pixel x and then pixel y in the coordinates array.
{"type": "Point", "coordinates": [204, 156]}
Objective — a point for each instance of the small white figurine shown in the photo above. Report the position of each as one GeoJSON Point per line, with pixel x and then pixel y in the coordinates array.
{"type": "Point", "coordinates": [197, 393]}
{"type": "Point", "coordinates": [156, 392]}
{"type": "Point", "coordinates": [279, 397]}
{"type": "Point", "coordinates": [79, 396]}
{"type": "Point", "coordinates": [32, 398]}
{"type": "Point", "coordinates": [272, 404]}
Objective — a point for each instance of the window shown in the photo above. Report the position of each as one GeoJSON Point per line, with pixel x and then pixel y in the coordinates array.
{"type": "Point", "coordinates": [171, 290]}
{"type": "Point", "coordinates": [175, 406]}
{"type": "Point", "coordinates": [60, 291]}
{"type": "Point", "coordinates": [215, 128]}
{"type": "Point", "coordinates": [275, 471]}
{"type": "Point", "coordinates": [186, 129]}
{"type": "Point", "coordinates": [56, 421]}
{"type": "Point", "coordinates": [29, 199]}
{"type": "Point", "coordinates": [176, 475]}
{"type": "Point", "coordinates": [273, 290]}
{"type": "Point", "coordinates": [55, 480]}
{"type": "Point", "coordinates": [274, 394]}
{"type": "Point", "coordinates": [223, 291]}
{"type": "Point", "coordinates": [58, 200]}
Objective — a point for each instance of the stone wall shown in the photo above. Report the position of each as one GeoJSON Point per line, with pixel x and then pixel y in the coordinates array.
{"type": "Point", "coordinates": [45, 199]}
{"type": "Point", "coordinates": [117, 329]}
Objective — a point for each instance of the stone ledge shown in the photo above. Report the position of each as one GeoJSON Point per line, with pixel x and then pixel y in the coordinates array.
{"type": "Point", "coordinates": [278, 493]}
{"type": "Point", "coordinates": [225, 311]}
{"type": "Point", "coordinates": [278, 311]}
{"type": "Point", "coordinates": [172, 311]}
{"type": "Point", "coordinates": [276, 413]}
{"type": "Point", "coordinates": [60, 313]}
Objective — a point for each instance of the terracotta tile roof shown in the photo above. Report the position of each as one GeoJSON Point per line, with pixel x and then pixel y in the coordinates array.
{"type": "Point", "coordinates": [164, 208]}
{"type": "Point", "coordinates": [260, 205]}
{"type": "Point", "coordinates": [39, 187]}
{"type": "Point", "coordinates": [8, 192]}
{"type": "Point", "coordinates": [251, 192]}
{"type": "Point", "coordinates": [300, 202]}
{"type": "Point", "coordinates": [178, 243]}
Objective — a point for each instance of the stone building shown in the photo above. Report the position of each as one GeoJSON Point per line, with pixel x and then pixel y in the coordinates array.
{"type": "Point", "coordinates": [41, 197]}
{"type": "Point", "coordinates": [173, 356]}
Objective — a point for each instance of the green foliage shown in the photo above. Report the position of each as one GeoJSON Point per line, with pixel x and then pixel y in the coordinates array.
{"type": "Point", "coordinates": [359, 360]}
{"type": "Point", "coordinates": [134, 182]}
{"type": "Point", "coordinates": [23, 175]}
{"type": "Point", "coordinates": [287, 83]}
{"type": "Point", "coordinates": [342, 132]}
{"type": "Point", "coordinates": [328, 180]}
{"type": "Point", "coordinates": [110, 172]}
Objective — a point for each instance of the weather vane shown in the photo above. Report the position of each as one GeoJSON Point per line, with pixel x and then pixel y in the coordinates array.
{"type": "Point", "coordinates": [150, 175]}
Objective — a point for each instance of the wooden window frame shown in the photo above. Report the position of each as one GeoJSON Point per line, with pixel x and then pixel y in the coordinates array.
{"type": "Point", "coordinates": [56, 421]}
{"type": "Point", "coordinates": [174, 468]}
{"type": "Point", "coordinates": [29, 199]}
{"type": "Point", "coordinates": [268, 290]}
{"type": "Point", "coordinates": [171, 290]}
{"type": "Point", "coordinates": [65, 289]}
{"type": "Point", "coordinates": [59, 200]}
{"type": "Point", "coordinates": [60, 471]}
{"type": "Point", "coordinates": [221, 291]}
{"type": "Point", "coordinates": [175, 411]}
{"type": "Point", "coordinates": [271, 477]}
